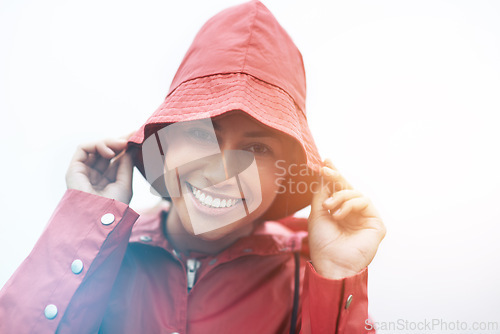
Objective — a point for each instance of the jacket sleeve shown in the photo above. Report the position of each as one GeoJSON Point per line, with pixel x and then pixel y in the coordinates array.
{"type": "Point", "coordinates": [335, 306]}
{"type": "Point", "coordinates": [65, 281]}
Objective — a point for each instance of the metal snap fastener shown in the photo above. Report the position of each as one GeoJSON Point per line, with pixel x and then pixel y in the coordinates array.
{"type": "Point", "coordinates": [77, 266]}
{"type": "Point", "coordinates": [107, 219]}
{"type": "Point", "coordinates": [50, 311]}
{"type": "Point", "coordinates": [145, 238]}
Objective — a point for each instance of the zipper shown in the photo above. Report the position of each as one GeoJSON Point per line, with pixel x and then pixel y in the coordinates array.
{"type": "Point", "coordinates": [192, 267]}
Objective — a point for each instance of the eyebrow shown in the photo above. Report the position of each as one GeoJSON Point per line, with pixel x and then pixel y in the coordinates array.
{"type": "Point", "coordinates": [254, 134]}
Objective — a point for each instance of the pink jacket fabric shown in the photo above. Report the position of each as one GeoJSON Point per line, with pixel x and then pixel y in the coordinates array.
{"type": "Point", "coordinates": [133, 281]}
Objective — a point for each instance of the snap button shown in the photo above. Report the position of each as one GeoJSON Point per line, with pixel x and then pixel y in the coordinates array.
{"type": "Point", "coordinates": [50, 311]}
{"type": "Point", "coordinates": [145, 238]}
{"type": "Point", "coordinates": [107, 219]}
{"type": "Point", "coordinates": [77, 266]}
{"type": "Point", "coordinates": [348, 302]}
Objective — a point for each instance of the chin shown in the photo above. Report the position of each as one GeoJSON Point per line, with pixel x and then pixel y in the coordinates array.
{"type": "Point", "coordinates": [211, 236]}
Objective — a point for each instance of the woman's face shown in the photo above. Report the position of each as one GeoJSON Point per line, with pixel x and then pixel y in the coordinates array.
{"type": "Point", "coordinates": [222, 173]}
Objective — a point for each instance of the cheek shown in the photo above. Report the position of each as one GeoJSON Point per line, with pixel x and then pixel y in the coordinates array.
{"type": "Point", "coordinates": [176, 157]}
{"type": "Point", "coordinates": [170, 177]}
{"type": "Point", "coordinates": [270, 181]}
{"type": "Point", "coordinates": [268, 186]}
{"type": "Point", "coordinates": [259, 185]}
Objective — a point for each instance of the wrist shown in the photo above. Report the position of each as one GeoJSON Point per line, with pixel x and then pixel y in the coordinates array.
{"type": "Point", "coordinates": [330, 270]}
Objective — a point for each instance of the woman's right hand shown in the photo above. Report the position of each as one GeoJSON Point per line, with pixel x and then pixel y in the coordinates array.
{"type": "Point", "coordinates": [96, 168]}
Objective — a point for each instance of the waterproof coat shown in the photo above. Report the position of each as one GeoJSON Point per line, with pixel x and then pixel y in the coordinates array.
{"type": "Point", "coordinates": [100, 267]}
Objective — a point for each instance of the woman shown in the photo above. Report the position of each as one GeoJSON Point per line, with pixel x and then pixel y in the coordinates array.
{"type": "Point", "coordinates": [231, 150]}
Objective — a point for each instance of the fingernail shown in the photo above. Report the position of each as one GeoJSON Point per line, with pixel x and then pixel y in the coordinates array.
{"type": "Point", "coordinates": [329, 172]}
{"type": "Point", "coordinates": [328, 201]}
{"type": "Point", "coordinates": [337, 212]}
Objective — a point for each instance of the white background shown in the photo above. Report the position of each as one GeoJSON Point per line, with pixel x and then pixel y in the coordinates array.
{"type": "Point", "coordinates": [403, 96]}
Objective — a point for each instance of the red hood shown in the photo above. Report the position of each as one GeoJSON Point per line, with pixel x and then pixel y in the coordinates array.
{"type": "Point", "coordinates": [242, 41]}
{"type": "Point", "coordinates": [255, 44]}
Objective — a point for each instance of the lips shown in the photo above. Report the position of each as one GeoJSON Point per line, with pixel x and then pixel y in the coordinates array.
{"type": "Point", "coordinates": [205, 216]}
{"type": "Point", "coordinates": [212, 200]}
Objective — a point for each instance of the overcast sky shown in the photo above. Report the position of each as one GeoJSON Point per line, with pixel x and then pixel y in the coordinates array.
{"type": "Point", "coordinates": [403, 97]}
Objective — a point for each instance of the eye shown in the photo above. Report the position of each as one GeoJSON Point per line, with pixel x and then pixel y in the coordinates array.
{"type": "Point", "coordinates": [260, 149]}
{"type": "Point", "coordinates": [202, 135]}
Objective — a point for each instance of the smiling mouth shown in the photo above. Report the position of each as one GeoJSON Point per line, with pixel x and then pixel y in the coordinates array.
{"type": "Point", "coordinates": [210, 200]}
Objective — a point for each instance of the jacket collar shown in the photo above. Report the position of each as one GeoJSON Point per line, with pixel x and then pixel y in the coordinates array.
{"type": "Point", "coordinates": [270, 238]}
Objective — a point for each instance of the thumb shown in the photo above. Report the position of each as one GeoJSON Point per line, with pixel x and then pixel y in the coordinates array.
{"type": "Point", "coordinates": [124, 172]}
{"type": "Point", "coordinates": [323, 191]}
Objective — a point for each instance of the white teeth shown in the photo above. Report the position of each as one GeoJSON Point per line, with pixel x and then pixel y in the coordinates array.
{"type": "Point", "coordinates": [209, 201]}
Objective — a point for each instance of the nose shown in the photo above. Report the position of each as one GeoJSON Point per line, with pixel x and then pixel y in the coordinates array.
{"type": "Point", "coordinates": [227, 165]}
{"type": "Point", "coordinates": [215, 169]}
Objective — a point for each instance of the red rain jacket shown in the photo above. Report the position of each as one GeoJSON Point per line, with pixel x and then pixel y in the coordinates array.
{"type": "Point", "coordinates": [99, 267]}
{"type": "Point", "coordinates": [132, 281]}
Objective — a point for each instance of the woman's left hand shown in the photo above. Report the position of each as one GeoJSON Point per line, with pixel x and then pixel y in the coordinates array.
{"type": "Point", "coordinates": [345, 229]}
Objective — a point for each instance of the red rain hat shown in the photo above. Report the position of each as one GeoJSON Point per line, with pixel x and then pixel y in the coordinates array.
{"type": "Point", "coordinates": [242, 59]}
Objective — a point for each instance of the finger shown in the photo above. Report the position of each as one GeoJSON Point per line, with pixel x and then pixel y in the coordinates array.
{"type": "Point", "coordinates": [125, 170]}
{"type": "Point", "coordinates": [105, 154]}
{"type": "Point", "coordinates": [80, 155]}
{"type": "Point", "coordinates": [111, 171]}
{"type": "Point", "coordinates": [107, 150]}
{"type": "Point", "coordinates": [355, 205]}
{"type": "Point", "coordinates": [91, 158]}
{"type": "Point", "coordinates": [327, 162]}
{"type": "Point", "coordinates": [120, 168]}
{"type": "Point", "coordinates": [340, 197]}
{"type": "Point", "coordinates": [116, 144]}
{"type": "Point", "coordinates": [86, 153]}
{"type": "Point", "coordinates": [320, 194]}
{"type": "Point", "coordinates": [334, 176]}
{"type": "Point", "coordinates": [89, 162]}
